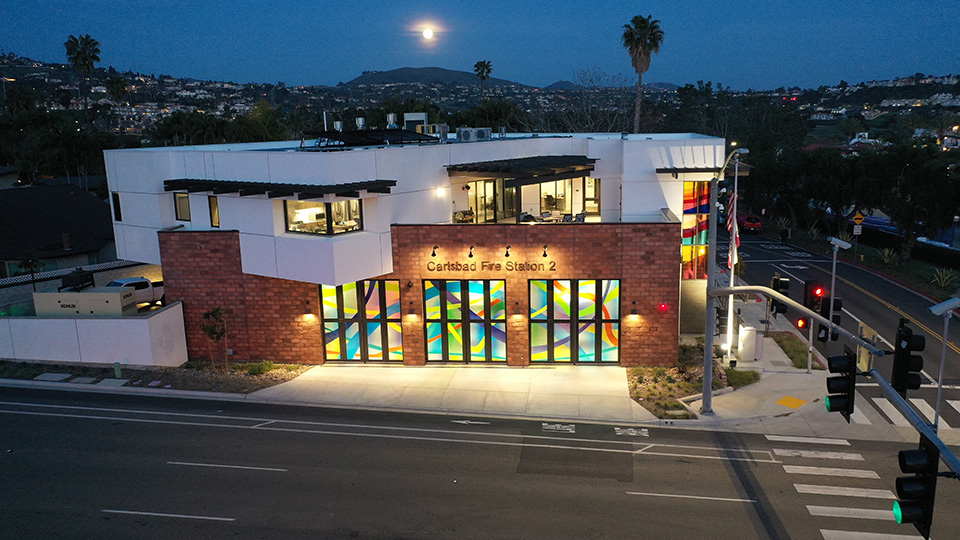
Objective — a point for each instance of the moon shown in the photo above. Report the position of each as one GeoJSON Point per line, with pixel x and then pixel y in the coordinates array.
{"type": "Point", "coordinates": [428, 33]}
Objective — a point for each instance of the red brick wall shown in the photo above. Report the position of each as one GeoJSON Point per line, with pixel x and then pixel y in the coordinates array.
{"type": "Point", "coordinates": [266, 316]}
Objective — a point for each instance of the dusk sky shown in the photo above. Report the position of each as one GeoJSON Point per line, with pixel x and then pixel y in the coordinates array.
{"type": "Point", "coordinates": [746, 44]}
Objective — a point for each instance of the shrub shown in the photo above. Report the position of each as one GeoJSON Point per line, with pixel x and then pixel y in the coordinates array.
{"type": "Point", "coordinates": [943, 277]}
{"type": "Point", "coordinates": [888, 256]}
{"type": "Point", "coordinates": [739, 378]}
{"type": "Point", "coordinates": [814, 232]}
{"type": "Point", "coordinates": [260, 368]}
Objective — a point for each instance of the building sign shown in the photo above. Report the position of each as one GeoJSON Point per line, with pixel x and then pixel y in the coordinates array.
{"type": "Point", "coordinates": [492, 266]}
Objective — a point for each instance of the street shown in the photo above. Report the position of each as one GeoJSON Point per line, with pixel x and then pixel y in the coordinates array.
{"type": "Point", "coordinates": [110, 466]}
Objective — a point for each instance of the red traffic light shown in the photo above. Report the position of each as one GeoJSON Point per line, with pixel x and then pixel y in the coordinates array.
{"type": "Point", "coordinates": [802, 323]}
{"type": "Point", "coordinates": [818, 292]}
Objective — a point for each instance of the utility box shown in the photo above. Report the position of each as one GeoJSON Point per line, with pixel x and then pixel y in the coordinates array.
{"type": "Point", "coordinates": [92, 302]}
{"type": "Point", "coordinates": [751, 344]}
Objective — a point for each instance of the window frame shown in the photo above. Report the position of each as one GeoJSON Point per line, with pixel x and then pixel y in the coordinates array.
{"type": "Point", "coordinates": [177, 210]}
{"type": "Point", "coordinates": [213, 204]}
{"type": "Point", "coordinates": [363, 321]}
{"type": "Point", "coordinates": [466, 322]}
{"type": "Point", "coordinates": [117, 212]}
{"type": "Point", "coordinates": [574, 322]}
{"type": "Point", "coordinates": [329, 228]}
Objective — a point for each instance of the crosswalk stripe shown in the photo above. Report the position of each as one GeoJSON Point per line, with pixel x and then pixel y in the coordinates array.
{"type": "Point", "coordinates": [812, 440]}
{"type": "Point", "coordinates": [831, 471]}
{"type": "Point", "coordinates": [854, 535]}
{"type": "Point", "coordinates": [955, 403]}
{"type": "Point", "coordinates": [892, 413]}
{"type": "Point", "coordinates": [858, 417]}
{"type": "Point", "coordinates": [927, 411]}
{"type": "Point", "coordinates": [860, 513]}
{"type": "Point", "coordinates": [816, 454]}
{"type": "Point", "coordinates": [811, 489]}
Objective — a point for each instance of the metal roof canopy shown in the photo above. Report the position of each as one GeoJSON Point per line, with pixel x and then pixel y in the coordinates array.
{"type": "Point", "coordinates": [676, 171]}
{"type": "Point", "coordinates": [526, 171]}
{"type": "Point", "coordinates": [368, 137]}
{"type": "Point", "coordinates": [273, 190]}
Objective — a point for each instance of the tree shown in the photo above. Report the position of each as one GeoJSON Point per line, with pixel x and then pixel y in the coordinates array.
{"type": "Point", "coordinates": [214, 326]}
{"type": "Point", "coordinates": [82, 53]}
{"type": "Point", "coordinates": [483, 69]}
{"type": "Point", "coordinates": [642, 37]}
{"type": "Point", "coordinates": [117, 88]}
{"type": "Point", "coordinates": [30, 265]}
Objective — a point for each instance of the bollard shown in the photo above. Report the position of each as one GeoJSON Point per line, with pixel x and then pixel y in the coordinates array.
{"type": "Point", "coordinates": [116, 370]}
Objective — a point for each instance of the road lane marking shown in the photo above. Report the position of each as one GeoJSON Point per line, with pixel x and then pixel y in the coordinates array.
{"type": "Point", "coordinates": [812, 489]}
{"type": "Point", "coordinates": [811, 440]}
{"type": "Point", "coordinates": [816, 454]}
{"type": "Point", "coordinates": [698, 497]}
{"type": "Point", "coordinates": [831, 471]}
{"type": "Point", "coordinates": [955, 403]}
{"type": "Point", "coordinates": [157, 514]}
{"type": "Point", "coordinates": [926, 410]}
{"type": "Point", "coordinates": [853, 535]}
{"type": "Point", "coordinates": [892, 413]}
{"type": "Point", "coordinates": [859, 513]}
{"type": "Point", "coordinates": [269, 469]}
{"type": "Point", "coordinates": [858, 417]}
{"type": "Point", "coordinates": [267, 423]}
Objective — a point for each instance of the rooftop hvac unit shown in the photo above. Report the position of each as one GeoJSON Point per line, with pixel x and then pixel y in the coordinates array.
{"type": "Point", "coordinates": [474, 134]}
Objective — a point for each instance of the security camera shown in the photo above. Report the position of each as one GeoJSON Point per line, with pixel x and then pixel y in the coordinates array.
{"type": "Point", "coordinates": [946, 306]}
{"type": "Point", "coordinates": [839, 243]}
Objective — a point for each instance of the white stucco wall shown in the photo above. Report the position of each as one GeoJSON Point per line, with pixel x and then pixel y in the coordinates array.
{"type": "Point", "coordinates": [156, 339]}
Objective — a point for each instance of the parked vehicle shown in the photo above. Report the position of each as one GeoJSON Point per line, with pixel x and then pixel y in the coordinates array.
{"type": "Point", "coordinates": [748, 222]}
{"type": "Point", "coordinates": [149, 292]}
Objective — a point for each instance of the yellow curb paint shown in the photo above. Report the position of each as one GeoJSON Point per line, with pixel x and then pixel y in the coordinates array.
{"type": "Point", "coordinates": [790, 401]}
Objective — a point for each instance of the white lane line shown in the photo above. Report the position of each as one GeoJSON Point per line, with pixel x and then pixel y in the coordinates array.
{"type": "Point", "coordinates": [926, 410]}
{"type": "Point", "coordinates": [811, 440]}
{"type": "Point", "coordinates": [815, 454]}
{"type": "Point", "coordinates": [267, 423]}
{"type": "Point", "coordinates": [156, 514]}
{"type": "Point", "coordinates": [853, 535]}
{"type": "Point", "coordinates": [859, 513]}
{"type": "Point", "coordinates": [269, 469]}
{"type": "Point", "coordinates": [811, 489]}
{"type": "Point", "coordinates": [892, 413]}
{"type": "Point", "coordinates": [698, 497]}
{"type": "Point", "coordinates": [831, 471]}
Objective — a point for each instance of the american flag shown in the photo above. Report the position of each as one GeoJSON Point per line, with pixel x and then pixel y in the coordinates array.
{"type": "Point", "coordinates": [734, 232]}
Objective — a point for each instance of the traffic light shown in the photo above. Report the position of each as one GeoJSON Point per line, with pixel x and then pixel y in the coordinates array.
{"type": "Point", "coordinates": [782, 286]}
{"type": "Point", "coordinates": [823, 332]}
{"type": "Point", "coordinates": [813, 293]}
{"type": "Point", "coordinates": [803, 323]}
{"type": "Point", "coordinates": [907, 366]}
{"type": "Point", "coordinates": [722, 321]}
{"type": "Point", "coordinates": [841, 390]}
{"type": "Point", "coordinates": [916, 493]}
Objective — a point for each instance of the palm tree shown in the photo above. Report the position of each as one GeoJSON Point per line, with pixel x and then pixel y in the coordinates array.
{"type": "Point", "coordinates": [117, 88]}
{"type": "Point", "coordinates": [483, 68]}
{"type": "Point", "coordinates": [641, 38]}
{"type": "Point", "coordinates": [82, 53]}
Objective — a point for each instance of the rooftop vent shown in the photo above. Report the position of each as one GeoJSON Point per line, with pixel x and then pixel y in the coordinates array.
{"type": "Point", "coordinates": [392, 121]}
{"type": "Point", "coordinates": [361, 123]}
{"type": "Point", "coordinates": [474, 134]}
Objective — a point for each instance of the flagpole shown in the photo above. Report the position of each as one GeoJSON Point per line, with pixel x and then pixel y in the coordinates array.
{"type": "Point", "coordinates": [733, 254]}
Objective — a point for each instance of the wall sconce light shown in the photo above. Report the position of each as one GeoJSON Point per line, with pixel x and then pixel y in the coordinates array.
{"type": "Point", "coordinates": [471, 252]}
{"type": "Point", "coordinates": [633, 310]}
{"type": "Point", "coordinates": [409, 284]}
{"type": "Point", "coordinates": [307, 310]}
{"type": "Point", "coordinates": [434, 252]}
{"type": "Point", "coordinates": [507, 254]}
{"type": "Point", "coordinates": [544, 250]}
{"type": "Point", "coordinates": [516, 308]}
{"type": "Point", "coordinates": [410, 310]}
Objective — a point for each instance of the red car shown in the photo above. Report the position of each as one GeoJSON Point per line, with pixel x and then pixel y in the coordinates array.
{"type": "Point", "coordinates": [748, 222]}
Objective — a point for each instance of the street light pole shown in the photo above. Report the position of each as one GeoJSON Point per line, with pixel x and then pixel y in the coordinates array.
{"type": "Point", "coordinates": [944, 309]}
{"type": "Point", "coordinates": [711, 316]}
{"type": "Point", "coordinates": [732, 247]}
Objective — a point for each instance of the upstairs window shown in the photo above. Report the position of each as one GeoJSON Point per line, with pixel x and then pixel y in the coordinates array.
{"type": "Point", "coordinates": [181, 204]}
{"type": "Point", "coordinates": [214, 212]}
{"type": "Point", "coordinates": [324, 218]}
{"type": "Point", "coordinates": [117, 215]}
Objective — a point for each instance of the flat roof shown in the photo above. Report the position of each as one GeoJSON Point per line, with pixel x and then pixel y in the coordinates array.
{"type": "Point", "coordinates": [273, 190]}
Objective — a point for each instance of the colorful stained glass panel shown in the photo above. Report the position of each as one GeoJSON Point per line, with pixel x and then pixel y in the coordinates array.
{"type": "Point", "coordinates": [392, 289]}
{"type": "Point", "coordinates": [395, 340]}
{"type": "Point", "coordinates": [538, 299]}
{"type": "Point", "coordinates": [610, 345]}
{"type": "Point", "coordinates": [478, 342]}
{"type": "Point", "coordinates": [455, 342]}
{"type": "Point", "coordinates": [477, 297]}
{"type": "Point", "coordinates": [538, 342]}
{"type": "Point", "coordinates": [561, 299]}
{"type": "Point", "coordinates": [331, 337]}
{"type": "Point", "coordinates": [328, 295]}
{"type": "Point", "coordinates": [587, 299]}
{"type": "Point", "coordinates": [434, 341]}
{"type": "Point", "coordinates": [498, 300]}
{"type": "Point", "coordinates": [371, 299]}
{"type": "Point", "coordinates": [498, 337]}
{"type": "Point", "coordinates": [610, 288]}
{"type": "Point", "coordinates": [374, 341]}
{"type": "Point", "coordinates": [350, 308]}
{"type": "Point", "coordinates": [587, 342]}
{"type": "Point", "coordinates": [454, 298]}
{"type": "Point", "coordinates": [561, 342]}
{"type": "Point", "coordinates": [431, 294]}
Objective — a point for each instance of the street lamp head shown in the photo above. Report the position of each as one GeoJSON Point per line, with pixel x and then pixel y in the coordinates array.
{"type": "Point", "coordinates": [742, 151]}
{"type": "Point", "coordinates": [945, 307]}
{"type": "Point", "coordinates": [839, 243]}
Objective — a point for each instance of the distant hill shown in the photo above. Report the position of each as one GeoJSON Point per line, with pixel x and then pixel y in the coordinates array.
{"type": "Point", "coordinates": [427, 75]}
{"type": "Point", "coordinates": [660, 87]}
{"type": "Point", "coordinates": [563, 85]}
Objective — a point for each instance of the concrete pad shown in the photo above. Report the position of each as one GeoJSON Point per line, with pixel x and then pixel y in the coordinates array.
{"type": "Point", "coordinates": [639, 414]}
{"type": "Point", "coordinates": [505, 402]}
{"type": "Point", "coordinates": [380, 396]}
{"type": "Point", "coordinates": [343, 394]}
{"type": "Point", "coordinates": [554, 405]}
{"type": "Point", "coordinates": [52, 377]}
{"type": "Point", "coordinates": [605, 408]}
{"type": "Point", "coordinates": [421, 398]}
{"type": "Point", "coordinates": [463, 400]}
{"type": "Point", "coordinates": [791, 402]}
{"type": "Point", "coordinates": [82, 380]}
{"type": "Point", "coordinates": [113, 382]}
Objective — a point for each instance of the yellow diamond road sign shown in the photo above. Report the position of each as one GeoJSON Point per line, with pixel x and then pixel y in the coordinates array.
{"type": "Point", "coordinates": [858, 219]}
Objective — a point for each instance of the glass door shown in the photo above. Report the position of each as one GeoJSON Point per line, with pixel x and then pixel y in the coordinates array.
{"type": "Point", "coordinates": [591, 196]}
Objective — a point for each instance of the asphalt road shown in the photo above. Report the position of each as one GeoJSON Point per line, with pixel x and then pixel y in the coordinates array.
{"type": "Point", "coordinates": [868, 298]}
{"type": "Point", "coordinates": [105, 466]}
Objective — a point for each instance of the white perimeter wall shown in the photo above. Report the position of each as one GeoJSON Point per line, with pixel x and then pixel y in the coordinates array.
{"type": "Point", "coordinates": [157, 339]}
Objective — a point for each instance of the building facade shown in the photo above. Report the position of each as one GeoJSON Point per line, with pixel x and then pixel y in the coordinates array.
{"type": "Point", "coordinates": [383, 247]}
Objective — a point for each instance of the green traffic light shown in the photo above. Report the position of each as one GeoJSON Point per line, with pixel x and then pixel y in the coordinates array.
{"type": "Point", "coordinates": [827, 402]}
{"type": "Point", "coordinates": [897, 513]}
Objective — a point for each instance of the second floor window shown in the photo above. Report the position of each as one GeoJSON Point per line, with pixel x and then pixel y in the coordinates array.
{"type": "Point", "coordinates": [181, 204]}
{"type": "Point", "coordinates": [324, 218]}
{"type": "Point", "coordinates": [214, 211]}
